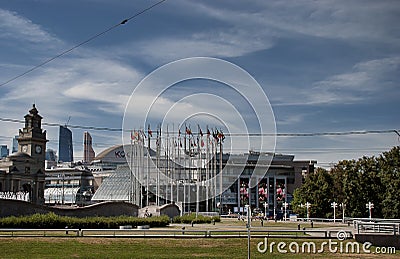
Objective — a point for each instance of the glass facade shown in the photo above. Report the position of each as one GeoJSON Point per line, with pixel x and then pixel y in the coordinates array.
{"type": "Point", "coordinates": [65, 147]}
{"type": "Point", "coordinates": [116, 187]}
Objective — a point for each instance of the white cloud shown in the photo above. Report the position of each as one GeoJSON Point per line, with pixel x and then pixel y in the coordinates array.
{"type": "Point", "coordinates": [214, 43]}
{"type": "Point", "coordinates": [240, 29]}
{"type": "Point", "coordinates": [365, 80]}
{"type": "Point", "coordinates": [328, 19]}
{"type": "Point", "coordinates": [84, 79]}
{"type": "Point", "coordinates": [20, 28]}
{"type": "Point", "coordinates": [331, 149]}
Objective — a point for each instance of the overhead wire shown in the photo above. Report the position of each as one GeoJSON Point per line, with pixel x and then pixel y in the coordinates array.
{"type": "Point", "coordinates": [83, 42]}
{"type": "Point", "coordinates": [312, 134]}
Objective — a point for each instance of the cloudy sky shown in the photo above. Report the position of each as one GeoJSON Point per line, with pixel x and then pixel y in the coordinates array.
{"type": "Point", "coordinates": [325, 66]}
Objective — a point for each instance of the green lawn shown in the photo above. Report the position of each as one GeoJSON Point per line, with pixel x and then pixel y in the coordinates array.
{"type": "Point", "coordinates": [151, 248]}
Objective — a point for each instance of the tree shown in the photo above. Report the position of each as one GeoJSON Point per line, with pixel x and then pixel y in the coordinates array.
{"type": "Point", "coordinates": [354, 183]}
{"type": "Point", "coordinates": [389, 172]}
{"type": "Point", "coordinates": [317, 190]}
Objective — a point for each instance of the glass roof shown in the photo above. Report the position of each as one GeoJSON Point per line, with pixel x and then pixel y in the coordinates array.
{"type": "Point", "coordinates": [115, 187]}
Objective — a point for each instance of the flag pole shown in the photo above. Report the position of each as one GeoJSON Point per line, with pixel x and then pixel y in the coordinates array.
{"type": "Point", "coordinates": [198, 172]}
{"type": "Point", "coordinates": [220, 174]}
{"type": "Point", "coordinates": [190, 173]}
{"type": "Point", "coordinates": [207, 168]}
{"type": "Point", "coordinates": [148, 164]}
{"type": "Point", "coordinates": [158, 166]}
{"type": "Point", "coordinates": [131, 169]}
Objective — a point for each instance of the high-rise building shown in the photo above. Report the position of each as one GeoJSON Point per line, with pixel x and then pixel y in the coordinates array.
{"type": "Point", "coordinates": [88, 152]}
{"type": "Point", "coordinates": [14, 145]}
{"type": "Point", "coordinates": [3, 151]}
{"type": "Point", "coordinates": [65, 148]}
{"type": "Point", "coordinates": [51, 159]}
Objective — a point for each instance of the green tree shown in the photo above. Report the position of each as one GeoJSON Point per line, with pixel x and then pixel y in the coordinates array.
{"type": "Point", "coordinates": [317, 190]}
{"type": "Point", "coordinates": [389, 172]}
{"type": "Point", "coordinates": [354, 183]}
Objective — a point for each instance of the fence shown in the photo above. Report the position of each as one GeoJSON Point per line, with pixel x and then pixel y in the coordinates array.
{"type": "Point", "coordinates": [384, 228]}
{"type": "Point", "coordinates": [170, 233]}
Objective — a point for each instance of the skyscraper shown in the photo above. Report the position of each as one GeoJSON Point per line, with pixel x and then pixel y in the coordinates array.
{"type": "Point", "coordinates": [88, 152]}
{"type": "Point", "coordinates": [3, 151]}
{"type": "Point", "coordinates": [14, 145]}
{"type": "Point", "coordinates": [65, 148]}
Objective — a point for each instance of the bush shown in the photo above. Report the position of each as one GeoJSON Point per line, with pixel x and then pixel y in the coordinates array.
{"type": "Point", "coordinates": [189, 218]}
{"type": "Point", "coordinates": [52, 220]}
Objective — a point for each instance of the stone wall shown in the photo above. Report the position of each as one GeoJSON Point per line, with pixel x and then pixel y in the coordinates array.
{"type": "Point", "coordinates": [107, 209]}
{"type": "Point", "coordinates": [171, 210]}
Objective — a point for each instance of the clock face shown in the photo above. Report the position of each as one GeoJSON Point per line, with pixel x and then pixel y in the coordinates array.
{"type": "Point", "coordinates": [24, 148]}
{"type": "Point", "coordinates": [38, 149]}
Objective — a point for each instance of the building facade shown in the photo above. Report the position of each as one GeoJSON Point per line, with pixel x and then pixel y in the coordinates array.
{"type": "Point", "coordinates": [4, 152]}
{"type": "Point", "coordinates": [65, 146]}
{"type": "Point", "coordinates": [22, 174]}
{"type": "Point", "coordinates": [88, 152]}
{"type": "Point", "coordinates": [69, 185]}
{"type": "Point", "coordinates": [194, 181]}
{"type": "Point", "coordinates": [14, 144]}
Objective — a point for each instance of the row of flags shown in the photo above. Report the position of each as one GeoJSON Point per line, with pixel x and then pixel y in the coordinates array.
{"type": "Point", "coordinates": [191, 141]}
{"type": "Point", "coordinates": [139, 135]}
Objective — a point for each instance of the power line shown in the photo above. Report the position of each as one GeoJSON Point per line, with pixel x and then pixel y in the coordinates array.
{"type": "Point", "coordinates": [70, 126]}
{"type": "Point", "coordinates": [313, 134]}
{"type": "Point", "coordinates": [82, 43]}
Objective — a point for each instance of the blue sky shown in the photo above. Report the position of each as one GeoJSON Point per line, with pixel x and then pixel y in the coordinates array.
{"type": "Point", "coordinates": [326, 66]}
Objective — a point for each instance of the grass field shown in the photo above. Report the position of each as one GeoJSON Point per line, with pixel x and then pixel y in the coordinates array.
{"type": "Point", "coordinates": [152, 248]}
{"type": "Point", "coordinates": [126, 247]}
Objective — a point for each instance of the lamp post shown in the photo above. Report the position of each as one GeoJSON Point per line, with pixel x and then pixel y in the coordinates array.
{"type": "Point", "coordinates": [265, 209]}
{"type": "Point", "coordinates": [285, 205]}
{"type": "Point", "coordinates": [334, 206]}
{"type": "Point", "coordinates": [343, 206]}
{"type": "Point", "coordinates": [307, 205]}
{"type": "Point", "coordinates": [370, 206]}
{"type": "Point", "coordinates": [62, 187]}
{"type": "Point", "coordinates": [248, 225]}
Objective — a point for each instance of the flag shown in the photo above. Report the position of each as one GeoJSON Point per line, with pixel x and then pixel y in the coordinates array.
{"type": "Point", "coordinates": [200, 132]}
{"type": "Point", "coordinates": [134, 135]}
{"type": "Point", "coordinates": [221, 136]}
{"type": "Point", "coordinates": [142, 135]}
{"type": "Point", "coordinates": [215, 134]}
{"type": "Point", "coordinates": [202, 143]}
{"type": "Point", "coordinates": [208, 132]}
{"type": "Point", "coordinates": [149, 132]}
{"type": "Point", "coordinates": [188, 131]}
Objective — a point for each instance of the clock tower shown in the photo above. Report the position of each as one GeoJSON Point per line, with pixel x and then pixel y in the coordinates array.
{"type": "Point", "coordinates": [32, 141]}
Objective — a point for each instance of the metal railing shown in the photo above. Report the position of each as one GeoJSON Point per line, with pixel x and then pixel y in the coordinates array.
{"type": "Point", "coordinates": [171, 233]}
{"type": "Point", "coordinates": [373, 227]}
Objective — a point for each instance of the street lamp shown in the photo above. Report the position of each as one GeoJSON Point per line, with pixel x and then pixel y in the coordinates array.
{"type": "Point", "coordinates": [248, 225]}
{"type": "Point", "coordinates": [307, 205]}
{"type": "Point", "coordinates": [285, 205]}
{"type": "Point", "coordinates": [343, 206]}
{"type": "Point", "coordinates": [334, 206]}
{"type": "Point", "coordinates": [265, 209]}
{"type": "Point", "coordinates": [370, 206]}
